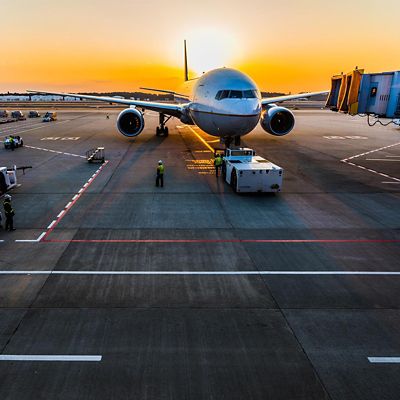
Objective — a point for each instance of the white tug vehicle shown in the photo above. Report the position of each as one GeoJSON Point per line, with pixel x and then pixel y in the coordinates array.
{"type": "Point", "coordinates": [246, 172]}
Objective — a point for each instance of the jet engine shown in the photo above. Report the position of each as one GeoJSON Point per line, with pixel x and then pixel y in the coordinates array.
{"type": "Point", "coordinates": [130, 122]}
{"type": "Point", "coordinates": [277, 121]}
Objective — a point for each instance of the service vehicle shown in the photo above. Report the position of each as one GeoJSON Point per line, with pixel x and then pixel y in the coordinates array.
{"type": "Point", "coordinates": [18, 142]}
{"type": "Point", "coordinates": [8, 178]}
{"type": "Point", "coordinates": [18, 115]}
{"type": "Point", "coordinates": [33, 114]}
{"type": "Point", "coordinates": [246, 172]}
{"type": "Point", "coordinates": [50, 116]}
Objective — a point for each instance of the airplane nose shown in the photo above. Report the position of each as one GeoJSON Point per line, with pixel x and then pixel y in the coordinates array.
{"type": "Point", "coordinates": [250, 107]}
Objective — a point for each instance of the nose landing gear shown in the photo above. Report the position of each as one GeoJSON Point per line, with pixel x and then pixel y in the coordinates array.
{"type": "Point", "coordinates": [162, 130]}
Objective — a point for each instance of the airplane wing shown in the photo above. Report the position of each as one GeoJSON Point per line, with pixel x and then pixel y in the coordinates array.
{"type": "Point", "coordinates": [165, 108]}
{"type": "Point", "coordinates": [278, 99]}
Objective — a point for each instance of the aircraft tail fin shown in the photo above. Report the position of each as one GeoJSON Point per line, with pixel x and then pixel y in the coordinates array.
{"type": "Point", "coordinates": [186, 64]}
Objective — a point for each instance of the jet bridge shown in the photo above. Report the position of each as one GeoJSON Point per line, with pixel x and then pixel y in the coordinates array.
{"type": "Point", "coordinates": [375, 94]}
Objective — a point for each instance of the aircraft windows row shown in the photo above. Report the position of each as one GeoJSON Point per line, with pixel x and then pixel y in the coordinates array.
{"type": "Point", "coordinates": [236, 94]}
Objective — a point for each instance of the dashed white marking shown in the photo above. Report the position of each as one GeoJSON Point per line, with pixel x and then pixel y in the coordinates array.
{"type": "Point", "coordinates": [392, 183]}
{"type": "Point", "coordinates": [371, 151]}
{"type": "Point", "coordinates": [41, 236]}
{"type": "Point", "coordinates": [53, 151]}
{"type": "Point", "coordinates": [62, 358]}
{"type": "Point", "coordinates": [68, 204]}
{"type": "Point", "coordinates": [384, 360]}
{"type": "Point", "coordinates": [346, 160]}
{"type": "Point", "coordinates": [60, 215]}
{"type": "Point", "coordinates": [51, 224]}
{"type": "Point", "coordinates": [81, 190]}
{"type": "Point", "coordinates": [75, 197]}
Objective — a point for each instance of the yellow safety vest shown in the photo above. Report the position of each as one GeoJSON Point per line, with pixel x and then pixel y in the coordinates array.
{"type": "Point", "coordinates": [160, 169]}
{"type": "Point", "coordinates": [218, 161]}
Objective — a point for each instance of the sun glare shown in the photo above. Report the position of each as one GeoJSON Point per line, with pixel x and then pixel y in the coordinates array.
{"type": "Point", "coordinates": [211, 48]}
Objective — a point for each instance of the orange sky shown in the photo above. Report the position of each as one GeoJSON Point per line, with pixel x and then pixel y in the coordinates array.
{"type": "Point", "coordinates": [103, 45]}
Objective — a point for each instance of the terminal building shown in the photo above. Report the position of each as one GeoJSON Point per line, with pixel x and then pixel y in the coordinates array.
{"type": "Point", "coordinates": [36, 97]}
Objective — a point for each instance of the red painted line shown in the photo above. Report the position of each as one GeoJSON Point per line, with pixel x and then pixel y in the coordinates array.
{"type": "Point", "coordinates": [224, 241]}
{"type": "Point", "coordinates": [71, 204]}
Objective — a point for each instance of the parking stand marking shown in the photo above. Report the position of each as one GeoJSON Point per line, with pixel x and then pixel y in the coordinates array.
{"type": "Point", "coordinates": [54, 151]}
{"type": "Point", "coordinates": [347, 161]}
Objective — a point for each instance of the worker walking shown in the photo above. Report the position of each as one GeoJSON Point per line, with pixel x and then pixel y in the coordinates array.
{"type": "Point", "coordinates": [9, 213]}
{"type": "Point", "coordinates": [160, 174]}
{"type": "Point", "coordinates": [217, 164]}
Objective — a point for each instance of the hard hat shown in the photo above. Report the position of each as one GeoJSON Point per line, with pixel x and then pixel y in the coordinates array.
{"type": "Point", "coordinates": [7, 196]}
{"type": "Point", "coordinates": [160, 161]}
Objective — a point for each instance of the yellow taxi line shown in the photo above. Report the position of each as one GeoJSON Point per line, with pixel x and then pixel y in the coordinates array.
{"type": "Point", "coordinates": [201, 139]}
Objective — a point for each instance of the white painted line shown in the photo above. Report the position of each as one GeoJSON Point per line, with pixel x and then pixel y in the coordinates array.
{"type": "Point", "coordinates": [392, 183]}
{"type": "Point", "coordinates": [231, 273]}
{"type": "Point", "coordinates": [61, 214]}
{"type": "Point", "coordinates": [27, 241]}
{"type": "Point", "coordinates": [384, 360]}
{"type": "Point", "coordinates": [81, 190]}
{"type": "Point", "coordinates": [41, 236]}
{"type": "Point", "coordinates": [64, 358]}
{"type": "Point", "coordinates": [75, 197]}
{"type": "Point", "coordinates": [51, 224]}
{"type": "Point", "coordinates": [372, 151]}
{"type": "Point", "coordinates": [381, 159]}
{"type": "Point", "coordinates": [86, 184]}
{"type": "Point", "coordinates": [68, 204]}
{"type": "Point", "coordinates": [1, 241]}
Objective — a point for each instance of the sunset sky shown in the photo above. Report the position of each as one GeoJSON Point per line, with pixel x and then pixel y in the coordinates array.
{"type": "Point", "coordinates": [103, 45]}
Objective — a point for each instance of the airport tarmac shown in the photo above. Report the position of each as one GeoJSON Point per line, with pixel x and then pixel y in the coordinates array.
{"type": "Point", "coordinates": [111, 288]}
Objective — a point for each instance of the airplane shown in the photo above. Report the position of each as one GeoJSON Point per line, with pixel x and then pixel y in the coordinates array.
{"type": "Point", "coordinates": [223, 102]}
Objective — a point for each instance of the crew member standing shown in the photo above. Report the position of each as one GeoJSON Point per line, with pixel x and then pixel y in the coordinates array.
{"type": "Point", "coordinates": [9, 213]}
{"type": "Point", "coordinates": [160, 174]}
{"type": "Point", "coordinates": [12, 143]}
{"type": "Point", "coordinates": [217, 164]}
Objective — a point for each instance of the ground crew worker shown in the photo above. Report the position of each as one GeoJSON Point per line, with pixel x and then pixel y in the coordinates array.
{"type": "Point", "coordinates": [217, 164]}
{"type": "Point", "coordinates": [9, 213]}
{"type": "Point", "coordinates": [160, 174]}
{"type": "Point", "coordinates": [12, 143]}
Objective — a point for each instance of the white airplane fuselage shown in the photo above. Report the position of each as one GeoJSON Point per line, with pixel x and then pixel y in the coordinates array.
{"type": "Point", "coordinates": [225, 103]}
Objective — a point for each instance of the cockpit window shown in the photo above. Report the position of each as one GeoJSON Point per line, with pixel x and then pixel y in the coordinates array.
{"type": "Point", "coordinates": [249, 94]}
{"type": "Point", "coordinates": [236, 94]}
{"type": "Point", "coordinates": [222, 94]}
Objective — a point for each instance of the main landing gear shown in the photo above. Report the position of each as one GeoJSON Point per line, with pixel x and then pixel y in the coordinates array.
{"type": "Point", "coordinates": [162, 130]}
{"type": "Point", "coordinates": [229, 139]}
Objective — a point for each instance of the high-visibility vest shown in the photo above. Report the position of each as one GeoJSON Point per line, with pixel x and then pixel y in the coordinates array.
{"type": "Point", "coordinates": [217, 161]}
{"type": "Point", "coordinates": [160, 169]}
{"type": "Point", "coordinates": [8, 210]}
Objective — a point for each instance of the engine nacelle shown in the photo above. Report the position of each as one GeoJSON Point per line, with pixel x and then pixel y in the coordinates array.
{"type": "Point", "coordinates": [277, 121]}
{"type": "Point", "coordinates": [130, 122]}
